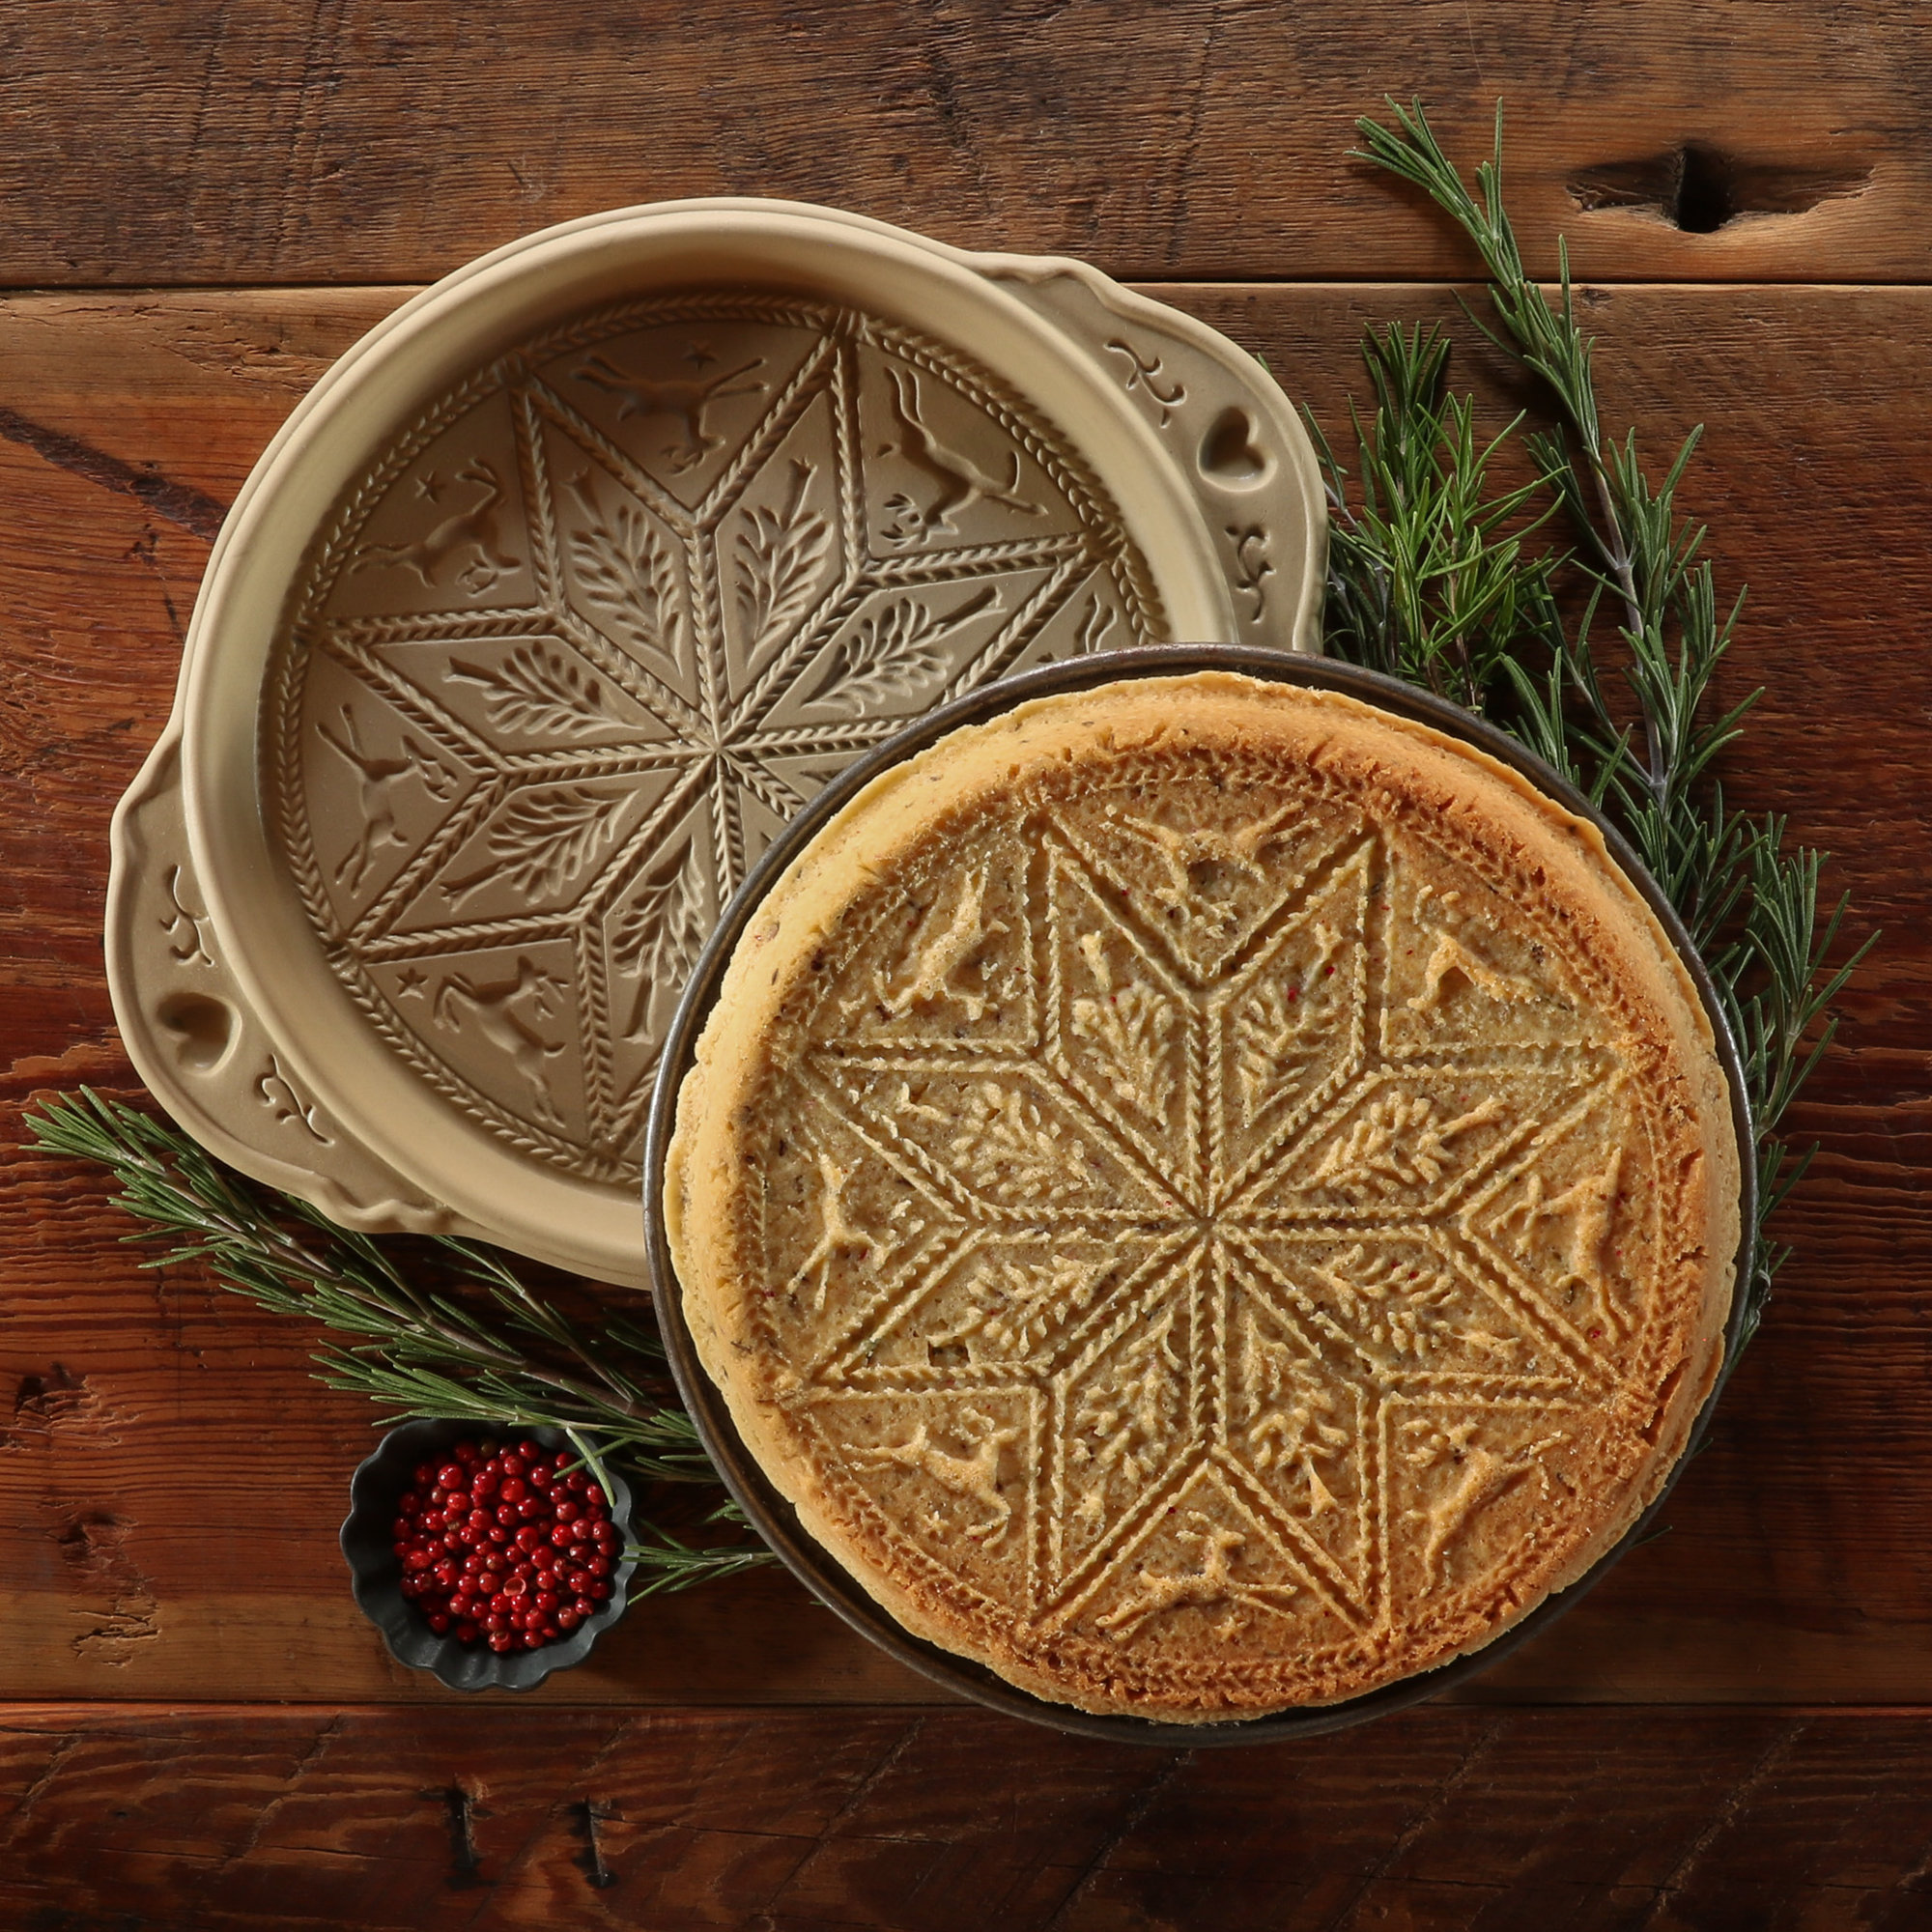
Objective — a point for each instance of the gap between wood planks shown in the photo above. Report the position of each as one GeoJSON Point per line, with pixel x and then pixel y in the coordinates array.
{"type": "Point", "coordinates": [60, 1716]}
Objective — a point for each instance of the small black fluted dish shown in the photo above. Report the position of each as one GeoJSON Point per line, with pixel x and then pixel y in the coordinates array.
{"type": "Point", "coordinates": [367, 1539]}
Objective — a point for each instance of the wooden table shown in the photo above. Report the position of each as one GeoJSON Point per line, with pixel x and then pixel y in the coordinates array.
{"type": "Point", "coordinates": [205, 201]}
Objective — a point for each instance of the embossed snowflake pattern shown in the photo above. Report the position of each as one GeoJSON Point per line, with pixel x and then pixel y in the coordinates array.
{"type": "Point", "coordinates": [1233, 1220]}
{"type": "Point", "coordinates": [599, 626]}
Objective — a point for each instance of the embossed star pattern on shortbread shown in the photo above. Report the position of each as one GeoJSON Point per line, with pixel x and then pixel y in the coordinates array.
{"type": "Point", "coordinates": [1201, 1195]}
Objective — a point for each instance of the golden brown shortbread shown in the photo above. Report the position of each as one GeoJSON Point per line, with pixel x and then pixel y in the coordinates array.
{"type": "Point", "coordinates": [1208, 1197]}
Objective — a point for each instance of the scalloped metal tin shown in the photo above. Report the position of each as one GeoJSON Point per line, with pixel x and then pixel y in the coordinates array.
{"type": "Point", "coordinates": [774, 1517]}
{"type": "Point", "coordinates": [559, 596]}
{"type": "Point", "coordinates": [376, 1575]}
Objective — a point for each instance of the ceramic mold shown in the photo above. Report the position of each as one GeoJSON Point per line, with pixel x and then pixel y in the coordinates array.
{"type": "Point", "coordinates": [557, 598]}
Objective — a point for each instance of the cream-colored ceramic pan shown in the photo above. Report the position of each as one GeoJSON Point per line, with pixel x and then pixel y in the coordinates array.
{"type": "Point", "coordinates": [558, 596]}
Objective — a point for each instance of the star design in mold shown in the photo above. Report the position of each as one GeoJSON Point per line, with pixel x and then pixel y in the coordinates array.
{"type": "Point", "coordinates": [608, 627]}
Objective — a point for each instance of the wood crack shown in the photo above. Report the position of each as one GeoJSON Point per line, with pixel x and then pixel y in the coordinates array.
{"type": "Point", "coordinates": [93, 1545]}
{"type": "Point", "coordinates": [1190, 140]}
{"type": "Point", "coordinates": [315, 1748]}
{"type": "Point", "coordinates": [943, 90]}
{"type": "Point", "coordinates": [1735, 1799]}
{"type": "Point", "coordinates": [1134, 1817]}
{"type": "Point", "coordinates": [864, 1789]}
{"type": "Point", "coordinates": [1416, 1826]}
{"type": "Point", "coordinates": [180, 504]}
{"type": "Point", "coordinates": [41, 1786]}
{"type": "Point", "coordinates": [853, 1804]}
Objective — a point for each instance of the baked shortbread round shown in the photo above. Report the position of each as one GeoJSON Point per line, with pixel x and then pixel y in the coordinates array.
{"type": "Point", "coordinates": [1207, 1197]}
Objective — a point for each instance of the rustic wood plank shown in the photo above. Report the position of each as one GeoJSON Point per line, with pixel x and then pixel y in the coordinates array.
{"type": "Point", "coordinates": [277, 141]}
{"type": "Point", "coordinates": [156, 1424]}
{"type": "Point", "coordinates": [236, 1820]}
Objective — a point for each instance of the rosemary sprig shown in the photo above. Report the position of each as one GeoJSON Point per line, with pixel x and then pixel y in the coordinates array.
{"type": "Point", "coordinates": [670, 1563]}
{"type": "Point", "coordinates": [467, 1339]}
{"type": "Point", "coordinates": [1751, 906]}
{"type": "Point", "coordinates": [1425, 581]}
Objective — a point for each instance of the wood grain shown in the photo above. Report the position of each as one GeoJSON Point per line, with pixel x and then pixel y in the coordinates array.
{"type": "Point", "coordinates": [277, 141]}
{"type": "Point", "coordinates": [1643, 1820]}
{"type": "Point", "coordinates": [170, 1480]}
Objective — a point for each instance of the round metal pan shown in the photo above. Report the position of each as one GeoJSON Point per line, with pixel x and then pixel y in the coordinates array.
{"type": "Point", "coordinates": [774, 1517]}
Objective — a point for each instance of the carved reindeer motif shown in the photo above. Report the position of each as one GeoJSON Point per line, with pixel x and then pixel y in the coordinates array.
{"type": "Point", "coordinates": [941, 957]}
{"type": "Point", "coordinates": [492, 1005]}
{"type": "Point", "coordinates": [963, 482]}
{"type": "Point", "coordinates": [1452, 956]}
{"type": "Point", "coordinates": [1483, 1476]}
{"type": "Point", "coordinates": [974, 1475]}
{"type": "Point", "coordinates": [1183, 851]}
{"type": "Point", "coordinates": [836, 1234]}
{"type": "Point", "coordinates": [1590, 1201]}
{"type": "Point", "coordinates": [476, 531]}
{"type": "Point", "coordinates": [376, 802]}
{"type": "Point", "coordinates": [685, 397]}
{"type": "Point", "coordinates": [1210, 1584]}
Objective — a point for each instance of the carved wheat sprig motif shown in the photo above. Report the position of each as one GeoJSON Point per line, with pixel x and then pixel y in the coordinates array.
{"type": "Point", "coordinates": [1296, 1415]}
{"type": "Point", "coordinates": [1129, 1420]}
{"type": "Point", "coordinates": [1005, 1139]}
{"type": "Point", "coordinates": [1016, 1306]}
{"type": "Point", "coordinates": [1264, 1033]}
{"type": "Point", "coordinates": [1397, 1142]}
{"type": "Point", "coordinates": [890, 653]}
{"type": "Point", "coordinates": [1131, 1029]}
{"type": "Point", "coordinates": [1274, 1017]}
{"type": "Point", "coordinates": [629, 575]}
{"type": "Point", "coordinates": [779, 552]}
{"type": "Point", "coordinates": [537, 688]}
{"type": "Point", "coordinates": [661, 932]}
{"type": "Point", "coordinates": [546, 840]}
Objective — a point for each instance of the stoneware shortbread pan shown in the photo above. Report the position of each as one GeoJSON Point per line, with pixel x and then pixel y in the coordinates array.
{"type": "Point", "coordinates": [559, 596]}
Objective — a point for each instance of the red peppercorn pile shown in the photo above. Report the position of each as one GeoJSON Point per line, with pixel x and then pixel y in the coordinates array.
{"type": "Point", "coordinates": [508, 1546]}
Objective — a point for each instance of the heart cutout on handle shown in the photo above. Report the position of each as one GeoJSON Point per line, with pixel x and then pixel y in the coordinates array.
{"type": "Point", "coordinates": [1229, 452]}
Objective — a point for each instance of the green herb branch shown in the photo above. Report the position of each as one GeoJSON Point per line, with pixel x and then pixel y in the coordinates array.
{"type": "Point", "coordinates": [462, 1337]}
{"type": "Point", "coordinates": [1429, 580]}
